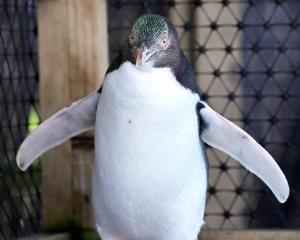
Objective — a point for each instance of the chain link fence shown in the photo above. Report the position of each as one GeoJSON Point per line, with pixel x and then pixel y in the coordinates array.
{"type": "Point", "coordinates": [245, 54]}
{"type": "Point", "coordinates": [20, 203]}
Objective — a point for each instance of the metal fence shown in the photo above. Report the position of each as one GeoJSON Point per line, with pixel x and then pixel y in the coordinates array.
{"type": "Point", "coordinates": [246, 57]}
{"type": "Point", "coordinates": [20, 203]}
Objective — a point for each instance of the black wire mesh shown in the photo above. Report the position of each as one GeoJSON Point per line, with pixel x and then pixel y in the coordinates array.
{"type": "Point", "coordinates": [246, 57]}
{"type": "Point", "coordinates": [20, 204]}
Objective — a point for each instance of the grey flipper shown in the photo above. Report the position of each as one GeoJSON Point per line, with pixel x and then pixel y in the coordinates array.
{"type": "Point", "coordinates": [220, 133]}
{"type": "Point", "coordinates": [66, 123]}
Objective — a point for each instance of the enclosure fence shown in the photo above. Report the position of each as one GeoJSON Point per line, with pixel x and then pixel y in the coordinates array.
{"type": "Point", "coordinates": [20, 202]}
{"type": "Point", "coordinates": [245, 54]}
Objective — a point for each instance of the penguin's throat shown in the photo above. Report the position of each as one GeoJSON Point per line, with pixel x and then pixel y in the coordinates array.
{"type": "Point", "coordinates": [146, 67]}
{"type": "Point", "coordinates": [139, 83]}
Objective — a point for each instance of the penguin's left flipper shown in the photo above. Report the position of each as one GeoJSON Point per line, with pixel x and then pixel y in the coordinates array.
{"type": "Point", "coordinates": [222, 134]}
{"type": "Point", "coordinates": [66, 123]}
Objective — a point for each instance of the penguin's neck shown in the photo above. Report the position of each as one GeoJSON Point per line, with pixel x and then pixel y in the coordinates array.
{"type": "Point", "coordinates": [144, 83]}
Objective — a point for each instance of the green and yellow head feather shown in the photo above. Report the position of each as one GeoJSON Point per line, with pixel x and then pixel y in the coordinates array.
{"type": "Point", "coordinates": [149, 26]}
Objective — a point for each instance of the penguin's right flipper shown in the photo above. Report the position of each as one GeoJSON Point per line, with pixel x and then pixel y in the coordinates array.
{"type": "Point", "coordinates": [78, 117]}
{"type": "Point", "coordinates": [220, 133]}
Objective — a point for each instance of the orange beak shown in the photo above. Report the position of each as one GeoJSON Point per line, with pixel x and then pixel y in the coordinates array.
{"type": "Point", "coordinates": [138, 59]}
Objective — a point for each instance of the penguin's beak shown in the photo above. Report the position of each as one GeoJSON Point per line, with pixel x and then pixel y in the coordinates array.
{"type": "Point", "coordinates": [138, 59]}
{"type": "Point", "coordinates": [142, 56]}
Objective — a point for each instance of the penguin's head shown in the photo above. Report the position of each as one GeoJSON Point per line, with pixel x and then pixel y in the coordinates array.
{"type": "Point", "coordinates": [153, 41]}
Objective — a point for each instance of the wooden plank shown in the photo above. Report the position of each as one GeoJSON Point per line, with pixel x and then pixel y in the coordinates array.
{"type": "Point", "coordinates": [73, 57]}
{"type": "Point", "coordinates": [89, 61]}
{"type": "Point", "coordinates": [88, 45]}
{"type": "Point", "coordinates": [179, 15]}
{"type": "Point", "coordinates": [250, 235]}
{"type": "Point", "coordinates": [205, 235]}
{"type": "Point", "coordinates": [54, 94]}
{"type": "Point", "coordinates": [83, 160]}
{"type": "Point", "coordinates": [61, 236]}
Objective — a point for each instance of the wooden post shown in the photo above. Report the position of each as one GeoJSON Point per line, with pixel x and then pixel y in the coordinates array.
{"type": "Point", "coordinates": [180, 15]}
{"type": "Point", "coordinates": [73, 57]}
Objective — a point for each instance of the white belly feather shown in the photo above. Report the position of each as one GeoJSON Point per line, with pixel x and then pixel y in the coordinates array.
{"type": "Point", "coordinates": [149, 177]}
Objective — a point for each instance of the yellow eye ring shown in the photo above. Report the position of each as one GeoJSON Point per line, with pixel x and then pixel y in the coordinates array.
{"type": "Point", "coordinates": [164, 43]}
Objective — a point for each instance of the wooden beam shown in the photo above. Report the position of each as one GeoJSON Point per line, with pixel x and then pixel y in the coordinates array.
{"type": "Point", "coordinates": [61, 236]}
{"type": "Point", "coordinates": [73, 57]}
{"type": "Point", "coordinates": [250, 235]}
{"type": "Point", "coordinates": [180, 15]}
{"type": "Point", "coordinates": [205, 235]}
{"type": "Point", "coordinates": [83, 159]}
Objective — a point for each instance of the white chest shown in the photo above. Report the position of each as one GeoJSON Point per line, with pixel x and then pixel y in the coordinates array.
{"type": "Point", "coordinates": [148, 154]}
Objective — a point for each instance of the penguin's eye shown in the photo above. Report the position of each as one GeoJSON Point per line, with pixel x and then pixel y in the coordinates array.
{"type": "Point", "coordinates": [164, 43]}
{"type": "Point", "coordinates": [131, 38]}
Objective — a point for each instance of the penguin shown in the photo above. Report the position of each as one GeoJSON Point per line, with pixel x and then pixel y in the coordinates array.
{"type": "Point", "coordinates": [150, 172]}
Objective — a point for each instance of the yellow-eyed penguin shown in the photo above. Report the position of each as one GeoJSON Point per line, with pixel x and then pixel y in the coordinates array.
{"type": "Point", "coordinates": [150, 175]}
